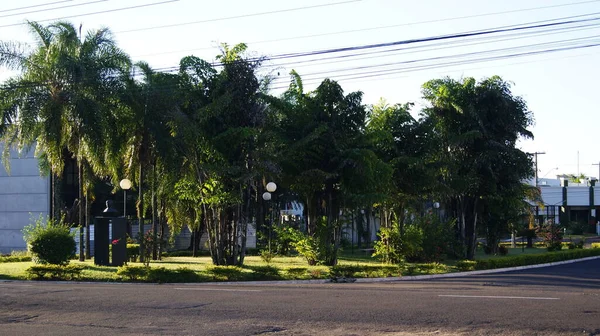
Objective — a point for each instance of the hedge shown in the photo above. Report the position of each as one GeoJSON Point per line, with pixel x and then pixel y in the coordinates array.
{"type": "Point", "coordinates": [533, 259]}
{"type": "Point", "coordinates": [55, 272]}
{"type": "Point", "coordinates": [11, 258]}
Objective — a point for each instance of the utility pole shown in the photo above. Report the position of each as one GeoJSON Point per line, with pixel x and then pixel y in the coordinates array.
{"type": "Point", "coordinates": [597, 164]}
{"type": "Point", "coordinates": [535, 155]}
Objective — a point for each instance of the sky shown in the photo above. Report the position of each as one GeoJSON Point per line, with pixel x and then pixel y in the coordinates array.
{"type": "Point", "coordinates": [560, 87]}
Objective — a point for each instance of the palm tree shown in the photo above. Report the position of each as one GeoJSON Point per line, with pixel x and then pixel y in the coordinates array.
{"type": "Point", "coordinates": [61, 99]}
{"type": "Point", "coordinates": [150, 104]}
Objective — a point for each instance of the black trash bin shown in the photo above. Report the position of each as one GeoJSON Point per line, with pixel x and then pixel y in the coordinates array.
{"type": "Point", "coordinates": [104, 239]}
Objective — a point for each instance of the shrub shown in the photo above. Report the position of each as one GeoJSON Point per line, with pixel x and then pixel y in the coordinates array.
{"type": "Point", "coordinates": [133, 252]}
{"type": "Point", "coordinates": [49, 241]}
{"type": "Point", "coordinates": [344, 271]}
{"type": "Point", "coordinates": [533, 259]}
{"type": "Point", "coordinates": [55, 272]}
{"type": "Point", "coordinates": [466, 265]}
{"type": "Point", "coordinates": [266, 256]}
{"type": "Point", "coordinates": [164, 275]}
{"type": "Point", "coordinates": [230, 273]}
{"type": "Point", "coordinates": [387, 248]}
{"type": "Point", "coordinates": [16, 256]}
{"type": "Point", "coordinates": [283, 239]}
{"type": "Point", "coordinates": [595, 245]}
{"type": "Point", "coordinates": [552, 236]}
{"type": "Point", "coordinates": [308, 247]}
{"type": "Point", "coordinates": [412, 243]}
{"type": "Point", "coordinates": [133, 273]}
{"type": "Point", "coordinates": [316, 273]}
{"type": "Point", "coordinates": [433, 268]}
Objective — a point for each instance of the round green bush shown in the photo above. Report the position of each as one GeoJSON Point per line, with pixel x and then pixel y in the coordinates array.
{"type": "Point", "coordinates": [52, 244]}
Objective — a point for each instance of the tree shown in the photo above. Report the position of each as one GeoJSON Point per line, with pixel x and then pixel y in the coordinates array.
{"type": "Point", "coordinates": [150, 107]}
{"type": "Point", "coordinates": [327, 160]}
{"type": "Point", "coordinates": [61, 98]}
{"type": "Point", "coordinates": [478, 125]}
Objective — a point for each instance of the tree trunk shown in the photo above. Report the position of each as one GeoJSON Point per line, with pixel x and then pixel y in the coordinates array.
{"type": "Point", "coordinates": [368, 212]}
{"type": "Point", "coordinates": [140, 212]}
{"type": "Point", "coordinates": [80, 207]}
{"type": "Point", "coordinates": [154, 216]}
{"type": "Point", "coordinates": [87, 226]}
{"type": "Point", "coordinates": [194, 242]}
{"type": "Point", "coordinates": [471, 229]}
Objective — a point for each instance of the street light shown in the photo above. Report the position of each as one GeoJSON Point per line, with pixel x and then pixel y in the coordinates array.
{"type": "Point", "coordinates": [271, 187]}
{"type": "Point", "coordinates": [436, 205]}
{"type": "Point", "coordinates": [125, 185]}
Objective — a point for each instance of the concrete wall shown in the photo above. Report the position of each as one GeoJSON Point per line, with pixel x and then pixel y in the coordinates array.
{"type": "Point", "coordinates": [23, 194]}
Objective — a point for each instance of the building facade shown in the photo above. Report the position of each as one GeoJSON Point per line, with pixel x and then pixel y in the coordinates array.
{"type": "Point", "coordinates": [24, 195]}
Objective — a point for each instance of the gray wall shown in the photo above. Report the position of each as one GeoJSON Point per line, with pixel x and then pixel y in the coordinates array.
{"type": "Point", "coordinates": [23, 194]}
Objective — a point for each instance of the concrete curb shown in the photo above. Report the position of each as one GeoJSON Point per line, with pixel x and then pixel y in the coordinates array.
{"type": "Point", "coordinates": [325, 281]}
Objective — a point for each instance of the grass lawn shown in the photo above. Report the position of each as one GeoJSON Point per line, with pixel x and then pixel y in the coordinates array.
{"type": "Point", "coordinates": [480, 255]}
{"type": "Point", "coordinates": [190, 269]}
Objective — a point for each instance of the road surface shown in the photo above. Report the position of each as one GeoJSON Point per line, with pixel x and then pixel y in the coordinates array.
{"type": "Point", "coordinates": [559, 300]}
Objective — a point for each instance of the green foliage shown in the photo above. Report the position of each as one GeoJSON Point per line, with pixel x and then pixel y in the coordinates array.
{"type": "Point", "coordinates": [158, 274]}
{"type": "Point", "coordinates": [16, 256]}
{"type": "Point", "coordinates": [533, 259]}
{"type": "Point", "coordinates": [54, 272]}
{"type": "Point", "coordinates": [388, 247]}
{"type": "Point", "coordinates": [229, 273]}
{"type": "Point", "coordinates": [266, 256]}
{"type": "Point", "coordinates": [344, 271]}
{"type": "Point", "coordinates": [186, 253]}
{"type": "Point", "coordinates": [412, 242]}
{"type": "Point", "coordinates": [283, 239]}
{"type": "Point", "coordinates": [148, 244]}
{"type": "Point", "coordinates": [265, 272]}
{"type": "Point", "coordinates": [308, 247]}
{"type": "Point", "coordinates": [133, 273]}
{"type": "Point", "coordinates": [466, 265]}
{"type": "Point", "coordinates": [49, 241]}
{"type": "Point", "coordinates": [552, 236]}
{"type": "Point", "coordinates": [133, 252]}
{"type": "Point", "coordinates": [426, 238]}
{"type": "Point", "coordinates": [595, 245]}
{"type": "Point", "coordinates": [164, 275]}
{"type": "Point", "coordinates": [296, 272]}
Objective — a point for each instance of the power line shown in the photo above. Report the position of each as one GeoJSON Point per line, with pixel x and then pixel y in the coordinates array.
{"type": "Point", "coordinates": [238, 16]}
{"type": "Point", "coordinates": [54, 8]}
{"type": "Point", "coordinates": [429, 66]}
{"type": "Point", "coordinates": [94, 13]}
{"type": "Point", "coordinates": [437, 58]}
{"type": "Point", "coordinates": [523, 27]}
{"type": "Point", "coordinates": [391, 26]}
{"type": "Point", "coordinates": [435, 38]}
{"type": "Point", "coordinates": [34, 6]}
{"type": "Point", "coordinates": [438, 46]}
{"type": "Point", "coordinates": [358, 80]}
{"type": "Point", "coordinates": [374, 74]}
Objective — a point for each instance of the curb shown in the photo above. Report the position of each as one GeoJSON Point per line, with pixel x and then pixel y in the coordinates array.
{"type": "Point", "coordinates": [325, 281]}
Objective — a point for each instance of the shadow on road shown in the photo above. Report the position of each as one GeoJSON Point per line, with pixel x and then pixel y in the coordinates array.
{"type": "Point", "coordinates": [585, 275]}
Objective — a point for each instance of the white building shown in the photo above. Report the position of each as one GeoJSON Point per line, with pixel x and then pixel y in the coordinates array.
{"type": "Point", "coordinates": [24, 195]}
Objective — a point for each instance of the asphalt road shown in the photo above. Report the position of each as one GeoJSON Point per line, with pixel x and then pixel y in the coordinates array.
{"type": "Point", "coordinates": [559, 300]}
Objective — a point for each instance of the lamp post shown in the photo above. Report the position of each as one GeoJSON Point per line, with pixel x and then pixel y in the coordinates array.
{"type": "Point", "coordinates": [271, 187]}
{"type": "Point", "coordinates": [436, 206]}
{"type": "Point", "coordinates": [125, 185]}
